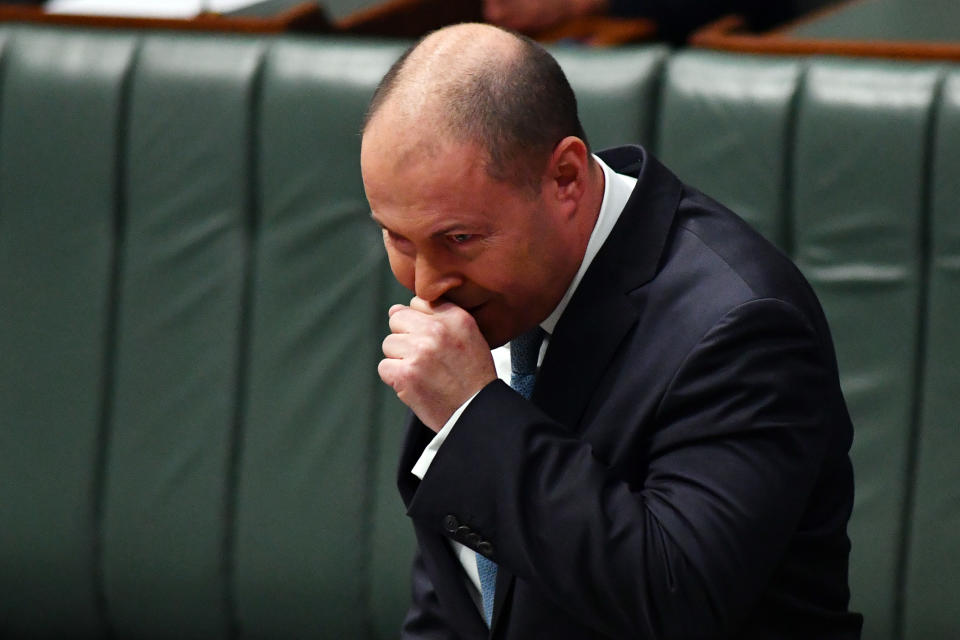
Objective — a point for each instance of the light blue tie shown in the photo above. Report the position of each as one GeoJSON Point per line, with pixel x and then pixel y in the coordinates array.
{"type": "Point", "coordinates": [524, 352]}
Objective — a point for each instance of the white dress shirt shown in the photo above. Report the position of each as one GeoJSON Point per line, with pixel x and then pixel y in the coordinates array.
{"type": "Point", "coordinates": [616, 191]}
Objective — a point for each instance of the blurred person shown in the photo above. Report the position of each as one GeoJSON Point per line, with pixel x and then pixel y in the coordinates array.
{"type": "Point", "coordinates": [675, 18]}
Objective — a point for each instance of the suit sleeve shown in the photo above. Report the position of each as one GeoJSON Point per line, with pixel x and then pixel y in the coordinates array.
{"type": "Point", "coordinates": [731, 454]}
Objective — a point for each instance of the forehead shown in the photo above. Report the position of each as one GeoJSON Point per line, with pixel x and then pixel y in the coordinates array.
{"type": "Point", "coordinates": [417, 177]}
{"type": "Point", "coordinates": [395, 140]}
{"type": "Point", "coordinates": [426, 169]}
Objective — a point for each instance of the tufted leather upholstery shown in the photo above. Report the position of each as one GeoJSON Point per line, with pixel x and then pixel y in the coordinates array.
{"type": "Point", "coordinates": [193, 438]}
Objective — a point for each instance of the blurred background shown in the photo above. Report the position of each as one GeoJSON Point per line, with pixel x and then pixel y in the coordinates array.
{"type": "Point", "coordinates": [194, 442]}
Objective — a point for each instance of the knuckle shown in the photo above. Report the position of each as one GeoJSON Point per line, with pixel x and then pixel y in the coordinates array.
{"type": "Point", "coordinates": [425, 348]}
{"type": "Point", "coordinates": [435, 332]}
{"type": "Point", "coordinates": [394, 320]}
{"type": "Point", "coordinates": [464, 320]}
{"type": "Point", "coordinates": [384, 370]}
{"type": "Point", "coordinates": [393, 376]}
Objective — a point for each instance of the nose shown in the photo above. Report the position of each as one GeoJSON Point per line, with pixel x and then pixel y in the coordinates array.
{"type": "Point", "coordinates": [431, 280]}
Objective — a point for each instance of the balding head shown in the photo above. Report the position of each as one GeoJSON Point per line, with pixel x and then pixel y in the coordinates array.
{"type": "Point", "coordinates": [474, 170]}
{"type": "Point", "coordinates": [480, 85]}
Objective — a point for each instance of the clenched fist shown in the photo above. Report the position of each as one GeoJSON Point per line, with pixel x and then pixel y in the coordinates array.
{"type": "Point", "coordinates": [436, 359]}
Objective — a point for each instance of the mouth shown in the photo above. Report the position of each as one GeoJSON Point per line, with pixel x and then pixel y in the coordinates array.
{"type": "Point", "coordinates": [470, 306]}
{"type": "Point", "coordinates": [475, 309]}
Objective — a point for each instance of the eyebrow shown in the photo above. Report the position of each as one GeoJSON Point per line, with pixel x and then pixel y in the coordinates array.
{"type": "Point", "coordinates": [377, 221]}
{"type": "Point", "coordinates": [455, 227]}
{"type": "Point", "coordinates": [450, 229]}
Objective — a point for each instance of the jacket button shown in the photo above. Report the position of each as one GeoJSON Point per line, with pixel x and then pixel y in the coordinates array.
{"type": "Point", "coordinates": [450, 523]}
{"type": "Point", "coordinates": [462, 532]}
{"type": "Point", "coordinates": [485, 548]}
{"type": "Point", "coordinates": [473, 540]}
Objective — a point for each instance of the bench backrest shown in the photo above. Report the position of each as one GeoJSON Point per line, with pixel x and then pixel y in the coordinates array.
{"type": "Point", "coordinates": [193, 438]}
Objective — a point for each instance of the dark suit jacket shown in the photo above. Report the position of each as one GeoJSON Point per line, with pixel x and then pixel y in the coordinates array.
{"type": "Point", "coordinates": [681, 470]}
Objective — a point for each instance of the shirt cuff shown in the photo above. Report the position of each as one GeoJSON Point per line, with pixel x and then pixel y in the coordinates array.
{"type": "Point", "coordinates": [426, 458]}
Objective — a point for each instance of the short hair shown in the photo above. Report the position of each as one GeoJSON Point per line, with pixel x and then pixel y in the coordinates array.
{"type": "Point", "coordinates": [517, 108]}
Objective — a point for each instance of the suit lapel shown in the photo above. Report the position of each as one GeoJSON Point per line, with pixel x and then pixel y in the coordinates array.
{"type": "Point", "coordinates": [505, 580]}
{"type": "Point", "coordinates": [601, 313]}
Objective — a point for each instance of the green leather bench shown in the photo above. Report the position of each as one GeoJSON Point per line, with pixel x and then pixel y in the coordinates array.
{"type": "Point", "coordinates": [194, 442]}
{"type": "Point", "coordinates": [851, 167]}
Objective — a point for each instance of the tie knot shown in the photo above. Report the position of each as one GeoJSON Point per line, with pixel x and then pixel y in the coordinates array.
{"type": "Point", "coordinates": [524, 351]}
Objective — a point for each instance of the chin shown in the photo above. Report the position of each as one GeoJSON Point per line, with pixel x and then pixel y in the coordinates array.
{"type": "Point", "coordinates": [496, 329]}
{"type": "Point", "coordinates": [496, 334]}
{"type": "Point", "coordinates": [496, 342]}
{"type": "Point", "coordinates": [495, 337]}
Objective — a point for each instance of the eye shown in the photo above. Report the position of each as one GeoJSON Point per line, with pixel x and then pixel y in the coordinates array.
{"type": "Point", "coordinates": [460, 238]}
{"type": "Point", "coordinates": [393, 237]}
{"type": "Point", "coordinates": [394, 241]}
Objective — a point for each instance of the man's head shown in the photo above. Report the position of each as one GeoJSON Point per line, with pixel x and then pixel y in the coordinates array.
{"type": "Point", "coordinates": [476, 167]}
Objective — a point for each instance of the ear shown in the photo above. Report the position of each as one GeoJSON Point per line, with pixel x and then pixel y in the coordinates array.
{"type": "Point", "coordinates": [568, 172]}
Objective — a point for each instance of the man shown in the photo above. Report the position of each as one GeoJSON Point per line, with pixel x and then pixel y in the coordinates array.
{"type": "Point", "coordinates": [680, 469]}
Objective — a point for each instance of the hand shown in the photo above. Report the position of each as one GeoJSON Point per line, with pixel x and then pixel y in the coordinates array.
{"type": "Point", "coordinates": [436, 359]}
{"type": "Point", "coordinates": [537, 15]}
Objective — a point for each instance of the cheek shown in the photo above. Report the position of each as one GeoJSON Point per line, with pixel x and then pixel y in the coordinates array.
{"type": "Point", "coordinates": [402, 267]}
